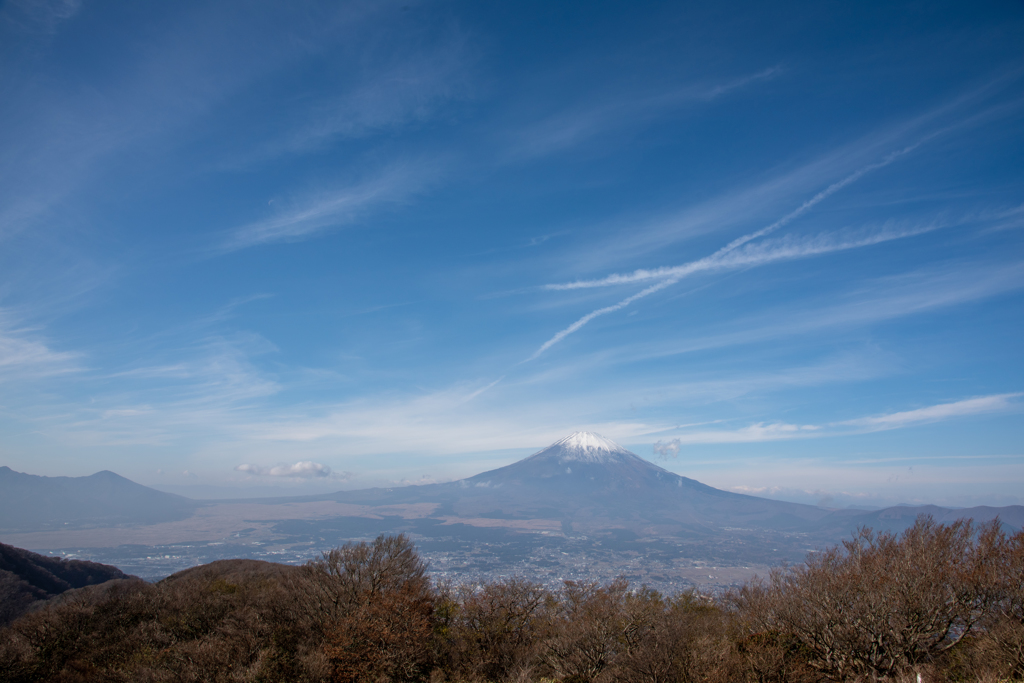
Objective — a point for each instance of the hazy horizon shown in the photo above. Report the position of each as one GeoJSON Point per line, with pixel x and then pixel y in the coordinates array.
{"type": "Point", "coordinates": [309, 247]}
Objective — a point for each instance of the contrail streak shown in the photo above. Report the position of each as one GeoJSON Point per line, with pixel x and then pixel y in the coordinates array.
{"type": "Point", "coordinates": [672, 275]}
{"type": "Point", "coordinates": [702, 264]}
{"type": "Point", "coordinates": [754, 255]}
{"type": "Point", "coordinates": [601, 311]}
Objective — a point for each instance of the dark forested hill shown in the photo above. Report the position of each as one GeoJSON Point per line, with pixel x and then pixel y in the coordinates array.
{"type": "Point", "coordinates": [27, 577]}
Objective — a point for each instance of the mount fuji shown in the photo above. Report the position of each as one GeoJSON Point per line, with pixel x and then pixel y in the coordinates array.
{"type": "Point", "coordinates": [588, 484]}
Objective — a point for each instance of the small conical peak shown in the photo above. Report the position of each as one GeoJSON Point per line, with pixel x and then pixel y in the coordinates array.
{"type": "Point", "coordinates": [587, 447]}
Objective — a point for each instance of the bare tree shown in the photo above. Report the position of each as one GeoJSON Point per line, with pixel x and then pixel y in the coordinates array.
{"type": "Point", "coordinates": [593, 625]}
{"type": "Point", "coordinates": [689, 642]}
{"type": "Point", "coordinates": [881, 603]}
{"type": "Point", "coordinates": [1002, 646]}
{"type": "Point", "coordinates": [357, 572]}
{"type": "Point", "coordinates": [374, 604]}
{"type": "Point", "coordinates": [493, 630]}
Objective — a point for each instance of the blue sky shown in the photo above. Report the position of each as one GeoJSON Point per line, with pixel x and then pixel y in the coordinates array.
{"type": "Point", "coordinates": [308, 246]}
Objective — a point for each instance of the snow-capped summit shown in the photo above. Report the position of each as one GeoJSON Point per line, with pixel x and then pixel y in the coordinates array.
{"type": "Point", "coordinates": [586, 447]}
{"type": "Point", "coordinates": [581, 463]}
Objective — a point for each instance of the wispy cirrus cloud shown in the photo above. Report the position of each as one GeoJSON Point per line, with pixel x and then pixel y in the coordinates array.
{"type": "Point", "coordinates": [739, 206]}
{"type": "Point", "coordinates": [58, 141]}
{"type": "Point", "coordinates": [879, 300]}
{"type": "Point", "coordinates": [972, 406]}
{"type": "Point", "coordinates": [732, 258]}
{"type": "Point", "coordinates": [782, 431]}
{"type": "Point", "coordinates": [740, 253]}
{"type": "Point", "coordinates": [38, 16]}
{"type": "Point", "coordinates": [462, 418]}
{"type": "Point", "coordinates": [754, 433]}
{"type": "Point", "coordinates": [209, 391]}
{"type": "Point", "coordinates": [724, 257]}
{"type": "Point", "coordinates": [23, 352]}
{"type": "Point", "coordinates": [581, 124]}
{"type": "Point", "coordinates": [476, 418]}
{"type": "Point", "coordinates": [417, 88]}
{"type": "Point", "coordinates": [330, 209]}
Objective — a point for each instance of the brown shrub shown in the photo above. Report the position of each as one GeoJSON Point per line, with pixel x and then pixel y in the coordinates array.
{"type": "Point", "coordinates": [373, 603]}
{"type": "Point", "coordinates": [491, 632]}
{"type": "Point", "coordinates": [942, 601]}
{"type": "Point", "coordinates": [996, 649]}
{"type": "Point", "coordinates": [592, 626]}
{"type": "Point", "coordinates": [689, 640]}
{"type": "Point", "coordinates": [882, 603]}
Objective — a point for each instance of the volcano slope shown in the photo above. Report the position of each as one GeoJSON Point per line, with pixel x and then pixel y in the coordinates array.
{"type": "Point", "coordinates": [587, 484]}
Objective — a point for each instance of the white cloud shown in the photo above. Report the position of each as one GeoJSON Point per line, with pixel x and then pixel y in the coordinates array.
{"type": "Point", "coordinates": [341, 206]}
{"type": "Point", "coordinates": [779, 431]}
{"type": "Point", "coordinates": [304, 469]}
{"type": "Point", "coordinates": [666, 450]}
{"type": "Point", "coordinates": [576, 126]}
{"type": "Point", "coordinates": [943, 411]}
{"type": "Point", "coordinates": [23, 352]}
{"type": "Point", "coordinates": [755, 433]}
{"type": "Point", "coordinates": [458, 419]}
{"type": "Point", "coordinates": [820, 497]}
{"type": "Point", "coordinates": [516, 414]}
{"type": "Point", "coordinates": [212, 388]}
{"type": "Point", "coordinates": [877, 300]}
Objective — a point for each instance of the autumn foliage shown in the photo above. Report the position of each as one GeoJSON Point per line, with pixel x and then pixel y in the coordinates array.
{"type": "Point", "coordinates": [943, 602]}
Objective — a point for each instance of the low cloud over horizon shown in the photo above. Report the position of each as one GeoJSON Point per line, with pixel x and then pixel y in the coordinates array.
{"type": "Point", "coordinates": [304, 469]}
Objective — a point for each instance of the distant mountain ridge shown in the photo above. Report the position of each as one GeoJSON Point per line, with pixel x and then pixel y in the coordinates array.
{"type": "Point", "coordinates": [581, 484]}
{"type": "Point", "coordinates": [31, 502]}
